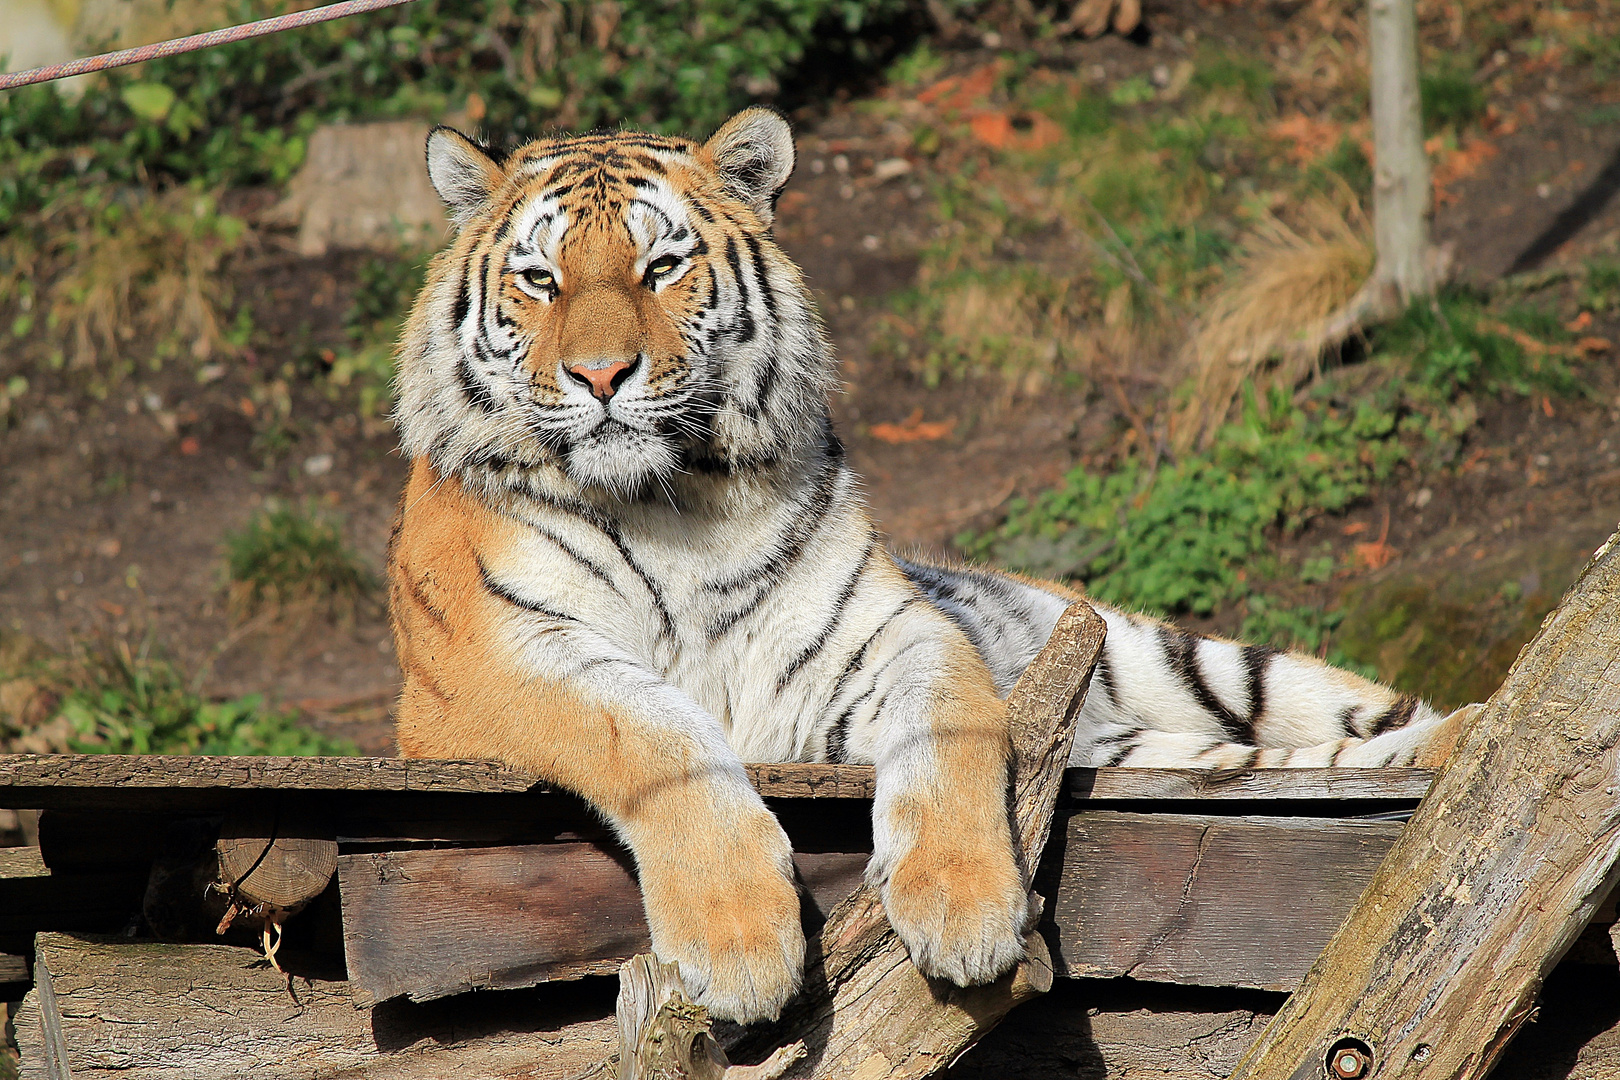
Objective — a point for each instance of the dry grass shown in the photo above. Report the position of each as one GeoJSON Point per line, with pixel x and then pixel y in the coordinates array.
{"type": "Point", "coordinates": [1272, 322]}
{"type": "Point", "coordinates": [146, 269]}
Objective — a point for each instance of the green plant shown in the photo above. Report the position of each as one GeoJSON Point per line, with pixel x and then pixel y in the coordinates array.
{"type": "Point", "coordinates": [1186, 535]}
{"type": "Point", "coordinates": [1458, 343]}
{"type": "Point", "coordinates": [1303, 628]}
{"type": "Point", "coordinates": [1194, 533]}
{"type": "Point", "coordinates": [1451, 98]}
{"type": "Point", "coordinates": [1601, 291]}
{"type": "Point", "coordinates": [120, 701]}
{"type": "Point", "coordinates": [292, 560]}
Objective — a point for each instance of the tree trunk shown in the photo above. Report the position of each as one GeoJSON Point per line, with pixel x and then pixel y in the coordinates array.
{"type": "Point", "coordinates": [1401, 169]}
{"type": "Point", "coordinates": [1438, 964]}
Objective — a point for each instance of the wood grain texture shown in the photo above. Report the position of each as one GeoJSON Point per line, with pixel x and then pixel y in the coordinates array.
{"type": "Point", "coordinates": [1198, 900]}
{"type": "Point", "coordinates": [1211, 901]}
{"type": "Point", "coordinates": [43, 772]}
{"type": "Point", "coordinates": [865, 1009]}
{"type": "Point", "coordinates": [543, 912]}
{"type": "Point", "coordinates": [147, 1011]}
{"type": "Point", "coordinates": [79, 782]}
{"type": "Point", "coordinates": [1438, 963]}
{"type": "Point", "coordinates": [282, 859]}
{"type": "Point", "coordinates": [1281, 785]}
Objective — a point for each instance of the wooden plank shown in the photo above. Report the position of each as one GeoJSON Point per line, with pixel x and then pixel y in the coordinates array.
{"type": "Point", "coordinates": [22, 862]}
{"type": "Point", "coordinates": [26, 778]}
{"type": "Point", "coordinates": [1196, 900]}
{"type": "Point", "coordinates": [1203, 900]}
{"type": "Point", "coordinates": [1438, 964]}
{"type": "Point", "coordinates": [544, 912]}
{"type": "Point", "coordinates": [148, 1011]}
{"type": "Point", "coordinates": [118, 781]}
{"type": "Point", "coordinates": [1280, 785]}
{"type": "Point", "coordinates": [13, 968]}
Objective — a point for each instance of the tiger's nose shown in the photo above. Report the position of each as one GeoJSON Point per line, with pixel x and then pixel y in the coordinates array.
{"type": "Point", "coordinates": [603, 377]}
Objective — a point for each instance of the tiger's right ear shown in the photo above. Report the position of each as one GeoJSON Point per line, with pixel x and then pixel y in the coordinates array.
{"type": "Point", "coordinates": [463, 173]}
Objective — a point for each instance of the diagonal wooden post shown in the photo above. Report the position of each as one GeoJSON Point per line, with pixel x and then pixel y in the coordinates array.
{"type": "Point", "coordinates": [866, 1011]}
{"type": "Point", "coordinates": [1516, 843]}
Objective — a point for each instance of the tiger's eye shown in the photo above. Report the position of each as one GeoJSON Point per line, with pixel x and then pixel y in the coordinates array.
{"type": "Point", "coordinates": [540, 279]}
{"type": "Point", "coordinates": [661, 267]}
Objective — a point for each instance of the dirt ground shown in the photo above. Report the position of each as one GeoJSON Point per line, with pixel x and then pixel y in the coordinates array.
{"type": "Point", "coordinates": [115, 510]}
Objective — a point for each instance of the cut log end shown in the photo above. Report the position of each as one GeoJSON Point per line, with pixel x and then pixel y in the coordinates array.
{"type": "Point", "coordinates": [269, 861]}
{"type": "Point", "coordinates": [664, 1036]}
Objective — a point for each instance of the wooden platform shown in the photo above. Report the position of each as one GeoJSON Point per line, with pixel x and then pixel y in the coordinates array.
{"type": "Point", "coordinates": [455, 876]}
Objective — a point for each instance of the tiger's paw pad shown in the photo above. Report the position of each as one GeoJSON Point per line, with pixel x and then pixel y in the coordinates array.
{"type": "Point", "coordinates": [962, 921]}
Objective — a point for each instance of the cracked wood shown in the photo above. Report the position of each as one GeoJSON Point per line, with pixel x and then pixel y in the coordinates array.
{"type": "Point", "coordinates": [1515, 847]}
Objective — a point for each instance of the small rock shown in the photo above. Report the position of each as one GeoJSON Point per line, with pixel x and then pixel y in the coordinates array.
{"type": "Point", "coordinates": [317, 464]}
{"type": "Point", "coordinates": [890, 169]}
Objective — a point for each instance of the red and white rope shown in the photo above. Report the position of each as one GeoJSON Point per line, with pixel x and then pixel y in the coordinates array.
{"type": "Point", "coordinates": [193, 42]}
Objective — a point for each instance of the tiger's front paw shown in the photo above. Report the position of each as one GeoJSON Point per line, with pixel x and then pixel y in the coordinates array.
{"type": "Point", "coordinates": [734, 931]}
{"type": "Point", "coordinates": [962, 913]}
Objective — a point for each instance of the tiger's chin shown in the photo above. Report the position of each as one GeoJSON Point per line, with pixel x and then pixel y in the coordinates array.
{"type": "Point", "coordinates": [622, 461]}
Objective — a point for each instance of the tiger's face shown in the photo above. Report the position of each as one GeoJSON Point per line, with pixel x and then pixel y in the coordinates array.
{"type": "Point", "coordinates": [613, 309]}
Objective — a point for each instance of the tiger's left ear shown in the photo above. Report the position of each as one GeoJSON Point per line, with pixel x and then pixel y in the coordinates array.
{"type": "Point", "coordinates": [753, 152]}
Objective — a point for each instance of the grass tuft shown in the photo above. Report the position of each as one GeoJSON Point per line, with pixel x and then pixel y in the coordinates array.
{"type": "Point", "coordinates": [144, 265]}
{"type": "Point", "coordinates": [288, 561]}
{"type": "Point", "coordinates": [109, 698]}
{"type": "Point", "coordinates": [1270, 324]}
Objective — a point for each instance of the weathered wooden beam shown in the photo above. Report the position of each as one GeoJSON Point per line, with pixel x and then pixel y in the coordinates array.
{"type": "Point", "coordinates": [1279, 785]}
{"type": "Point", "coordinates": [105, 1008]}
{"type": "Point", "coordinates": [38, 774]}
{"type": "Point", "coordinates": [1179, 898]}
{"type": "Point", "coordinates": [544, 912]}
{"type": "Point", "coordinates": [82, 783]}
{"type": "Point", "coordinates": [663, 1036]}
{"type": "Point", "coordinates": [866, 1010]}
{"type": "Point", "coordinates": [1203, 901]}
{"type": "Point", "coordinates": [1505, 861]}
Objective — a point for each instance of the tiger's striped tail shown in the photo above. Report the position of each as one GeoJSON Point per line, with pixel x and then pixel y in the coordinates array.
{"type": "Point", "coordinates": [1166, 698]}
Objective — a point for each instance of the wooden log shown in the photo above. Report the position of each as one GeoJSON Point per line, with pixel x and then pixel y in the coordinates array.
{"type": "Point", "coordinates": [1505, 861]}
{"type": "Point", "coordinates": [866, 1010]}
{"type": "Point", "coordinates": [106, 1008]}
{"type": "Point", "coordinates": [282, 858]}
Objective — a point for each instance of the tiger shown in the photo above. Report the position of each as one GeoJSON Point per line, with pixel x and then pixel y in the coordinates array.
{"type": "Point", "coordinates": [631, 556]}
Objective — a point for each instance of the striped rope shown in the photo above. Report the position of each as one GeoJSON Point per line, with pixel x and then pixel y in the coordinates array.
{"type": "Point", "coordinates": [193, 42]}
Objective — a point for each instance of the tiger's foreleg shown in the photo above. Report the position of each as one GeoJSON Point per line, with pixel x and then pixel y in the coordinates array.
{"type": "Point", "coordinates": [943, 852]}
{"type": "Point", "coordinates": [489, 674]}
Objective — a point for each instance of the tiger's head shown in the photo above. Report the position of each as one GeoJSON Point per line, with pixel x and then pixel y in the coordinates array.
{"type": "Point", "coordinates": [613, 312]}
